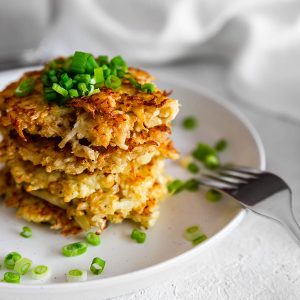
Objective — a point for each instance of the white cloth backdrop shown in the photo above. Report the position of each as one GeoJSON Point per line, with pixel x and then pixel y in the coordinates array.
{"type": "Point", "coordinates": [260, 39]}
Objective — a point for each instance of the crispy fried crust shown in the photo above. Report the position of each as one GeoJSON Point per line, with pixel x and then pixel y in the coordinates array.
{"type": "Point", "coordinates": [107, 118]}
{"type": "Point", "coordinates": [80, 158]}
{"type": "Point", "coordinates": [34, 210]}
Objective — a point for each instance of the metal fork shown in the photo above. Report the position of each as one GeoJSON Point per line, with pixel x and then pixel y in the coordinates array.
{"type": "Point", "coordinates": [261, 192]}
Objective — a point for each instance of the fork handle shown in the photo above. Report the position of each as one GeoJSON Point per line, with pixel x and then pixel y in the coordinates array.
{"type": "Point", "coordinates": [283, 214]}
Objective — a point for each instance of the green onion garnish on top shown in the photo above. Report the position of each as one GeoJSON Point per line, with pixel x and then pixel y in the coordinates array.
{"type": "Point", "coordinates": [10, 277]}
{"type": "Point", "coordinates": [11, 259]}
{"type": "Point", "coordinates": [26, 232]}
{"type": "Point", "coordinates": [74, 249]}
{"type": "Point", "coordinates": [138, 236]}
{"type": "Point", "coordinates": [25, 87]}
{"type": "Point", "coordinates": [189, 123]}
{"type": "Point", "coordinates": [207, 155]}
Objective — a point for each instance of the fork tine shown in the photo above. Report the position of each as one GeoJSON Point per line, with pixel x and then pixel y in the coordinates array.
{"type": "Point", "coordinates": [228, 179]}
{"type": "Point", "coordinates": [243, 170]}
{"type": "Point", "coordinates": [236, 175]}
{"type": "Point", "coordinates": [216, 183]}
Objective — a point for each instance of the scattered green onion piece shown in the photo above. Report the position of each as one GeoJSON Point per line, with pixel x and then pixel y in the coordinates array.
{"type": "Point", "coordinates": [121, 73]}
{"type": "Point", "coordinates": [50, 96]}
{"type": "Point", "coordinates": [193, 232]}
{"type": "Point", "coordinates": [221, 145]}
{"type": "Point", "coordinates": [25, 87]}
{"type": "Point", "coordinates": [202, 151]}
{"type": "Point", "coordinates": [138, 236]}
{"type": "Point", "coordinates": [93, 238]}
{"type": "Point", "coordinates": [199, 240]}
{"type": "Point", "coordinates": [211, 162]}
{"type": "Point", "coordinates": [98, 75]}
{"type": "Point", "coordinates": [189, 123]}
{"type": "Point", "coordinates": [11, 259]}
{"type": "Point", "coordinates": [103, 60]}
{"type": "Point", "coordinates": [74, 249]}
{"type": "Point", "coordinates": [112, 82]}
{"type": "Point", "coordinates": [60, 90]}
{"type": "Point", "coordinates": [11, 277]}
{"type": "Point", "coordinates": [39, 272]}
{"type": "Point", "coordinates": [213, 195]}
{"type": "Point", "coordinates": [73, 93]}
{"type": "Point", "coordinates": [175, 186]}
{"type": "Point", "coordinates": [148, 88]}
{"type": "Point", "coordinates": [97, 266]}
{"type": "Point", "coordinates": [22, 265]}
{"type": "Point", "coordinates": [192, 185]}
{"type": "Point", "coordinates": [78, 63]}
{"type": "Point", "coordinates": [193, 168]}
{"type": "Point", "coordinates": [76, 275]}
{"type": "Point", "coordinates": [26, 232]}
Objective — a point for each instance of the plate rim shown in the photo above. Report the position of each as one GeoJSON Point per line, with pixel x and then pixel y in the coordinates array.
{"type": "Point", "coordinates": [153, 269]}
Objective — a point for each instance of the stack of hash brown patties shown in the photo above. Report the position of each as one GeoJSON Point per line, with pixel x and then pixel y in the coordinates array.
{"type": "Point", "coordinates": [94, 160]}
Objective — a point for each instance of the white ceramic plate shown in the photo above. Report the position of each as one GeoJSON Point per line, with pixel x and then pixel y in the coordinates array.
{"type": "Point", "coordinates": [130, 266]}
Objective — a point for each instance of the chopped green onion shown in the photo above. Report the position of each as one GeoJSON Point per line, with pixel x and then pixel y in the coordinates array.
{"type": "Point", "coordinates": [74, 249]}
{"type": "Point", "coordinates": [25, 87]}
{"type": "Point", "coordinates": [103, 60]}
{"type": "Point", "coordinates": [91, 64]}
{"type": "Point", "coordinates": [22, 265]}
{"type": "Point", "coordinates": [76, 275]}
{"type": "Point", "coordinates": [148, 88]}
{"type": "Point", "coordinates": [189, 123]}
{"type": "Point", "coordinates": [118, 63]}
{"type": "Point", "coordinates": [83, 89]}
{"type": "Point", "coordinates": [66, 81]}
{"type": "Point", "coordinates": [73, 93]}
{"type": "Point", "coordinates": [60, 90]}
{"type": "Point", "coordinates": [53, 78]}
{"type": "Point", "coordinates": [39, 272]}
{"type": "Point", "coordinates": [175, 186]}
{"type": "Point", "coordinates": [11, 277]}
{"type": "Point", "coordinates": [52, 72]}
{"type": "Point", "coordinates": [199, 240]}
{"type": "Point", "coordinates": [45, 80]}
{"type": "Point", "coordinates": [97, 266]}
{"type": "Point", "coordinates": [211, 162]}
{"type": "Point", "coordinates": [78, 63]}
{"type": "Point", "coordinates": [85, 78]}
{"type": "Point", "coordinates": [98, 75]}
{"type": "Point", "coordinates": [213, 195]}
{"type": "Point", "coordinates": [221, 145]}
{"type": "Point", "coordinates": [26, 232]}
{"type": "Point", "coordinates": [192, 185]}
{"type": "Point", "coordinates": [112, 82]}
{"type": "Point", "coordinates": [95, 91]}
{"type": "Point", "coordinates": [193, 168]}
{"type": "Point", "coordinates": [11, 259]}
{"type": "Point", "coordinates": [138, 235]}
{"type": "Point", "coordinates": [202, 151]}
{"type": "Point", "coordinates": [93, 238]}
{"type": "Point", "coordinates": [192, 232]}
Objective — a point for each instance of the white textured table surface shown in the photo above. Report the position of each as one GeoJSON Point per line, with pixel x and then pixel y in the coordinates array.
{"type": "Point", "coordinates": [258, 260]}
